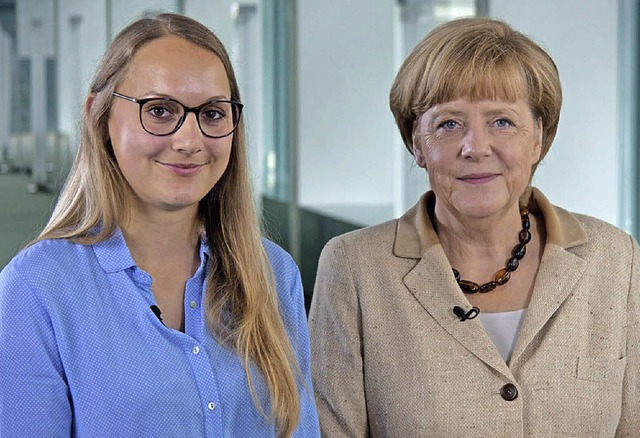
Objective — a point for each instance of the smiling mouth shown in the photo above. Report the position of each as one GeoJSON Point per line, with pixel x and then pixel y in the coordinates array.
{"type": "Point", "coordinates": [479, 178]}
{"type": "Point", "coordinates": [183, 168]}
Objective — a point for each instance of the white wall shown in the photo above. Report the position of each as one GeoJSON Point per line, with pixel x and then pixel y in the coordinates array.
{"type": "Point", "coordinates": [215, 14]}
{"type": "Point", "coordinates": [124, 12]}
{"type": "Point", "coordinates": [346, 132]}
{"type": "Point", "coordinates": [580, 172]}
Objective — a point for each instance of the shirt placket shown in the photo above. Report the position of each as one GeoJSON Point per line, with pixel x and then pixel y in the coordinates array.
{"type": "Point", "coordinates": [198, 356]}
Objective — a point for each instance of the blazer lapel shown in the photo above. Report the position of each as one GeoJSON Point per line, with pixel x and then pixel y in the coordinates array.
{"type": "Point", "coordinates": [559, 269]}
{"type": "Point", "coordinates": [433, 285]}
{"type": "Point", "coordinates": [558, 274]}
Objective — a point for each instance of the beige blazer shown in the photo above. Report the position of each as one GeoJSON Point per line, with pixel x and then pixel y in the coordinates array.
{"type": "Point", "coordinates": [390, 358]}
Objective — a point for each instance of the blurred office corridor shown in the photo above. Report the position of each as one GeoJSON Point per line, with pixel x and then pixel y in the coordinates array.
{"type": "Point", "coordinates": [20, 216]}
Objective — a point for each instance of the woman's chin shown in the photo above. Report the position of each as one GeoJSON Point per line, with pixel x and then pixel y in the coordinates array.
{"type": "Point", "coordinates": [178, 203]}
{"type": "Point", "coordinates": [481, 208]}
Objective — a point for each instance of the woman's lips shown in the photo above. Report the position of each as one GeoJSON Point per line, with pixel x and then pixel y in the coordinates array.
{"type": "Point", "coordinates": [183, 168]}
{"type": "Point", "coordinates": [479, 178]}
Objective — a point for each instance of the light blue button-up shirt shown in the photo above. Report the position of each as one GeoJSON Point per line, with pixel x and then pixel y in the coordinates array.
{"type": "Point", "coordinates": [82, 353]}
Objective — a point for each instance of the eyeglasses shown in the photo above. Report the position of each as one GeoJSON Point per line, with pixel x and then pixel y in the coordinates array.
{"type": "Point", "coordinates": [163, 116]}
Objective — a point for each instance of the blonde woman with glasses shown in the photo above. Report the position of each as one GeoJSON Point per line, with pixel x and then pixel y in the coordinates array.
{"type": "Point", "coordinates": [150, 305]}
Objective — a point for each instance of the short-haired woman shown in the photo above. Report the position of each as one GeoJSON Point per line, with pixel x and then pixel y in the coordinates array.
{"type": "Point", "coordinates": [485, 310]}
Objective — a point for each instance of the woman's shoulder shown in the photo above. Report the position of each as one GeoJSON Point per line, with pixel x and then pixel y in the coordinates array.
{"type": "Point", "coordinates": [48, 255]}
{"type": "Point", "coordinates": [287, 279]}
{"type": "Point", "coordinates": [277, 256]}
{"type": "Point", "coordinates": [45, 269]}
{"type": "Point", "coordinates": [596, 227]}
{"type": "Point", "coordinates": [572, 229]}
{"type": "Point", "coordinates": [602, 240]}
{"type": "Point", "coordinates": [284, 268]}
{"type": "Point", "coordinates": [368, 237]}
{"type": "Point", "coordinates": [599, 230]}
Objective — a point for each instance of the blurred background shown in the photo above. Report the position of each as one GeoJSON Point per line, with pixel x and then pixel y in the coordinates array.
{"type": "Point", "coordinates": [325, 154]}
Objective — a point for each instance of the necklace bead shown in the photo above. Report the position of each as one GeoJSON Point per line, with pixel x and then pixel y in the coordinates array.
{"type": "Point", "coordinates": [512, 264]}
{"type": "Point", "coordinates": [503, 275]}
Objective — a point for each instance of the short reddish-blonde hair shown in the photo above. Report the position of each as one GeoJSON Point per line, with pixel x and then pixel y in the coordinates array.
{"type": "Point", "coordinates": [476, 58]}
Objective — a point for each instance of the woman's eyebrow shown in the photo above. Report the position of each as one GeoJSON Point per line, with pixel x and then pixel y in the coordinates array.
{"type": "Point", "coordinates": [153, 93]}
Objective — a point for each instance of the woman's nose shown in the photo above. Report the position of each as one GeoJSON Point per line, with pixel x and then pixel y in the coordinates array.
{"type": "Point", "coordinates": [189, 138]}
{"type": "Point", "coordinates": [476, 144]}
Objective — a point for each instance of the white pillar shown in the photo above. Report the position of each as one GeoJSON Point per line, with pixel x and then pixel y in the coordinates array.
{"type": "Point", "coordinates": [38, 108]}
{"type": "Point", "coordinates": [246, 55]}
{"type": "Point", "coordinates": [76, 82]}
{"type": "Point", "coordinates": [5, 97]}
{"type": "Point", "coordinates": [36, 42]}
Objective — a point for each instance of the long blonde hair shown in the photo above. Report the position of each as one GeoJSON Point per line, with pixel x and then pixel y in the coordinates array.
{"type": "Point", "coordinates": [241, 301]}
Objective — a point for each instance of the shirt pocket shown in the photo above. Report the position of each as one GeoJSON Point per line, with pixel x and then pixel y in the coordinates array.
{"type": "Point", "coordinates": [601, 370]}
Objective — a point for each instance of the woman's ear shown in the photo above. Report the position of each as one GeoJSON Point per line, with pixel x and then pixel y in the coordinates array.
{"type": "Point", "coordinates": [88, 103]}
{"type": "Point", "coordinates": [418, 155]}
{"type": "Point", "coordinates": [418, 152]}
{"type": "Point", "coordinates": [537, 140]}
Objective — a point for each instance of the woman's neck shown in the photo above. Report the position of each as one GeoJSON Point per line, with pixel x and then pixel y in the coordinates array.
{"type": "Point", "coordinates": [478, 248]}
{"type": "Point", "coordinates": [164, 240]}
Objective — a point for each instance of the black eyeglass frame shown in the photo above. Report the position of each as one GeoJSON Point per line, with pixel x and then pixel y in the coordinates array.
{"type": "Point", "coordinates": [187, 110]}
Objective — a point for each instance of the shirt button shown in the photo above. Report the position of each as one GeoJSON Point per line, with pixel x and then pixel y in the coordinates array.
{"type": "Point", "coordinates": [195, 350]}
{"type": "Point", "coordinates": [211, 406]}
{"type": "Point", "coordinates": [509, 392]}
{"type": "Point", "coordinates": [193, 304]}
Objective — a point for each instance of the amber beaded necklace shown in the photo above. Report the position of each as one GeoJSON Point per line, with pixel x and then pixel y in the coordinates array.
{"type": "Point", "coordinates": [503, 275]}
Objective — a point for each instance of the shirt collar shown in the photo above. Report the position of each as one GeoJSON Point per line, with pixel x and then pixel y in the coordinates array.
{"type": "Point", "coordinates": [205, 250]}
{"type": "Point", "coordinates": [415, 233]}
{"type": "Point", "coordinates": [113, 253]}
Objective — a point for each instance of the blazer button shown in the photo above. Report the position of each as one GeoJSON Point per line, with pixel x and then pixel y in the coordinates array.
{"type": "Point", "coordinates": [509, 392]}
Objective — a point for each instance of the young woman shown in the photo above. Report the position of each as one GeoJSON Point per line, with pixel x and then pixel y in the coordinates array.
{"type": "Point", "coordinates": [150, 305]}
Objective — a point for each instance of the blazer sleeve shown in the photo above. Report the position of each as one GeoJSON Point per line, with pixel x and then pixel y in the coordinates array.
{"type": "Point", "coordinates": [629, 424]}
{"type": "Point", "coordinates": [336, 346]}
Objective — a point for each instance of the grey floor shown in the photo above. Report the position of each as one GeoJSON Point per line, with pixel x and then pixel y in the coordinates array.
{"type": "Point", "coordinates": [22, 214]}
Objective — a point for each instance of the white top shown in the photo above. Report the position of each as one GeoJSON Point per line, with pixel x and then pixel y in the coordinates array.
{"type": "Point", "coordinates": [503, 328]}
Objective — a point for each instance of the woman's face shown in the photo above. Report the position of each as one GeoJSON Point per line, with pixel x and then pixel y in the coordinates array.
{"type": "Point", "coordinates": [175, 171]}
{"type": "Point", "coordinates": [478, 154]}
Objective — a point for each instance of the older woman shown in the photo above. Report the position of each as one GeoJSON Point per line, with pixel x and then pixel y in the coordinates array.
{"type": "Point", "coordinates": [484, 310]}
{"type": "Point", "coordinates": [150, 305]}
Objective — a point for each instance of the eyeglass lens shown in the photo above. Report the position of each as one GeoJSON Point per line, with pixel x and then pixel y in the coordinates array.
{"type": "Point", "coordinates": [162, 117]}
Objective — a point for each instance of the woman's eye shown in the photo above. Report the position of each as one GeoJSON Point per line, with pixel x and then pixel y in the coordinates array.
{"type": "Point", "coordinates": [212, 114]}
{"type": "Point", "coordinates": [449, 124]}
{"type": "Point", "coordinates": [503, 123]}
{"type": "Point", "coordinates": [159, 112]}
